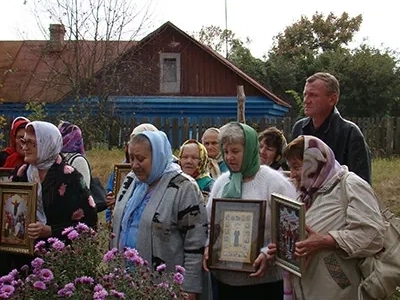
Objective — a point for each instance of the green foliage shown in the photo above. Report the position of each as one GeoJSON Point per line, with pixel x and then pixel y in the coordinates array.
{"type": "Point", "coordinates": [36, 110]}
{"type": "Point", "coordinates": [299, 101]}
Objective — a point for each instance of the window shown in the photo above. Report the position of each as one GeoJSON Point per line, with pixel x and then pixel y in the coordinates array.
{"type": "Point", "coordinates": [170, 72]}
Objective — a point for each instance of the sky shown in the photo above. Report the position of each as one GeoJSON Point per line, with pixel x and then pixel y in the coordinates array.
{"type": "Point", "coordinates": [257, 19]}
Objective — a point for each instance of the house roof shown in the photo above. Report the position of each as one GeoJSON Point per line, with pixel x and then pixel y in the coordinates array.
{"type": "Point", "coordinates": [30, 71]}
{"type": "Point", "coordinates": [224, 61]}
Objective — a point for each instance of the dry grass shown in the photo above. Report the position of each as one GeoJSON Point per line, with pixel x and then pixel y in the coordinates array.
{"type": "Point", "coordinates": [385, 177]}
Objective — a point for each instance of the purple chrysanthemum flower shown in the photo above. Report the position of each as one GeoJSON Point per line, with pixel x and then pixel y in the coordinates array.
{"type": "Point", "coordinates": [67, 230]}
{"type": "Point", "coordinates": [180, 269]}
{"type": "Point", "coordinates": [37, 263]}
{"type": "Point", "coordinates": [73, 235]}
{"type": "Point", "coordinates": [84, 279]}
{"type": "Point", "coordinates": [39, 285]}
{"type": "Point", "coordinates": [46, 275]}
{"type": "Point", "coordinates": [82, 227]}
{"type": "Point", "coordinates": [117, 294]}
{"type": "Point", "coordinates": [109, 255]}
{"type": "Point", "coordinates": [161, 268]}
{"type": "Point", "coordinates": [58, 245]}
{"type": "Point", "coordinates": [178, 278]}
{"type": "Point", "coordinates": [7, 290]}
{"type": "Point", "coordinates": [99, 292]}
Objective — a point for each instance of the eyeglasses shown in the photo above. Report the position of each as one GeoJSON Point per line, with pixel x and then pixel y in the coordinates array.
{"type": "Point", "coordinates": [27, 143]}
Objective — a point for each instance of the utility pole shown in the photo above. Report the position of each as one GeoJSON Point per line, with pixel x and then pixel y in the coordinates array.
{"type": "Point", "coordinates": [226, 29]}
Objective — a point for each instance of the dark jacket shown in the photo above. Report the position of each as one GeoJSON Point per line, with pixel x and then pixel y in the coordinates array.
{"type": "Point", "coordinates": [344, 138]}
{"type": "Point", "coordinates": [64, 195]}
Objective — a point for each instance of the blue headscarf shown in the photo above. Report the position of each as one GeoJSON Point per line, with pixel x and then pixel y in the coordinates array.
{"type": "Point", "coordinates": [162, 163]}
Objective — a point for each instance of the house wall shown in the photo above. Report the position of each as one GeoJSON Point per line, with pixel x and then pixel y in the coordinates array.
{"type": "Point", "coordinates": [202, 74]}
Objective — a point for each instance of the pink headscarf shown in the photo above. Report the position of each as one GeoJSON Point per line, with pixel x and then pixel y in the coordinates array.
{"type": "Point", "coordinates": [319, 166]}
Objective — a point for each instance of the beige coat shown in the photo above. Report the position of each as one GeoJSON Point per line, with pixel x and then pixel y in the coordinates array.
{"type": "Point", "coordinates": [358, 228]}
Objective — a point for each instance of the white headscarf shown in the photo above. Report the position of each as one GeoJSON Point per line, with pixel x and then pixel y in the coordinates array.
{"type": "Point", "coordinates": [49, 144]}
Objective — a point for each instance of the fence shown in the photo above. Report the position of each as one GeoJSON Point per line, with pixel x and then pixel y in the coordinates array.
{"type": "Point", "coordinates": [382, 134]}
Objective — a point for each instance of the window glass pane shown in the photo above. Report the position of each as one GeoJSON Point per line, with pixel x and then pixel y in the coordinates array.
{"type": "Point", "coordinates": [169, 70]}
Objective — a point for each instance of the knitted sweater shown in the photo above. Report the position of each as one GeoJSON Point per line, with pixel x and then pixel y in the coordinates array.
{"type": "Point", "coordinates": [265, 182]}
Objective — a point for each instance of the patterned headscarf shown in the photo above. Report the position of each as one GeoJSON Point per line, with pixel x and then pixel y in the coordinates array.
{"type": "Point", "coordinates": [72, 138]}
{"type": "Point", "coordinates": [319, 166]}
{"type": "Point", "coordinates": [49, 144]}
{"type": "Point", "coordinates": [14, 158]}
{"type": "Point", "coordinates": [213, 163]}
{"type": "Point", "coordinates": [202, 167]}
{"type": "Point", "coordinates": [250, 163]}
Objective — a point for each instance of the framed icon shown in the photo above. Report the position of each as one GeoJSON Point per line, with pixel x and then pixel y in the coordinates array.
{"type": "Point", "coordinates": [288, 227]}
{"type": "Point", "coordinates": [5, 174]}
{"type": "Point", "coordinates": [18, 210]}
{"type": "Point", "coordinates": [236, 234]}
{"type": "Point", "coordinates": [120, 172]}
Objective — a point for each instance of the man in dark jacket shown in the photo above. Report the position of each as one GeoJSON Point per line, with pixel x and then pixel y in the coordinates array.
{"type": "Point", "coordinates": [321, 94]}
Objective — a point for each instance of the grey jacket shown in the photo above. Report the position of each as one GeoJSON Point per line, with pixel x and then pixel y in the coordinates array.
{"type": "Point", "coordinates": [173, 227]}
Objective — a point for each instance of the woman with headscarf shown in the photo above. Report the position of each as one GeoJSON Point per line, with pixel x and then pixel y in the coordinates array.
{"type": "Point", "coordinates": [63, 199]}
{"type": "Point", "coordinates": [110, 184]}
{"type": "Point", "coordinates": [73, 149]}
{"type": "Point", "coordinates": [193, 159]}
{"type": "Point", "coordinates": [247, 179]}
{"type": "Point", "coordinates": [13, 155]}
{"type": "Point", "coordinates": [158, 211]}
{"type": "Point", "coordinates": [340, 231]}
{"type": "Point", "coordinates": [216, 164]}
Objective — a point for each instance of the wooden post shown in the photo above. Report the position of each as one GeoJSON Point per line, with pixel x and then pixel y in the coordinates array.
{"type": "Point", "coordinates": [241, 97]}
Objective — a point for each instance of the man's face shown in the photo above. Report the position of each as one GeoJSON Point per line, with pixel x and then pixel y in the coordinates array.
{"type": "Point", "coordinates": [317, 101]}
{"type": "Point", "coordinates": [210, 141]}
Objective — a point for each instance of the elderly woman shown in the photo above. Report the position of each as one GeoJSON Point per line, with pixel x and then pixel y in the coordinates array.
{"type": "Point", "coordinates": [158, 211]}
{"type": "Point", "coordinates": [247, 179]}
{"type": "Point", "coordinates": [339, 231]}
{"type": "Point", "coordinates": [193, 159]}
{"type": "Point", "coordinates": [62, 197]}
{"type": "Point", "coordinates": [216, 165]}
{"type": "Point", "coordinates": [13, 155]}
{"type": "Point", "coordinates": [272, 142]}
{"type": "Point", "coordinates": [73, 150]}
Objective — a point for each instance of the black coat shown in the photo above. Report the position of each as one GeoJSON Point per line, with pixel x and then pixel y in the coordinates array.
{"type": "Point", "coordinates": [344, 138]}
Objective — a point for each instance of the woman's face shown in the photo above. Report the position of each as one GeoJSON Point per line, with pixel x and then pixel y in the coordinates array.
{"type": "Point", "coordinates": [267, 153]}
{"type": "Point", "coordinates": [29, 146]}
{"type": "Point", "coordinates": [233, 154]}
{"type": "Point", "coordinates": [190, 159]}
{"type": "Point", "coordinates": [296, 166]}
{"type": "Point", "coordinates": [140, 160]}
{"type": "Point", "coordinates": [18, 147]}
{"type": "Point", "coordinates": [210, 141]}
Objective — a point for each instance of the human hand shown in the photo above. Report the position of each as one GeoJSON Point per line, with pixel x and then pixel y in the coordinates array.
{"type": "Point", "coordinates": [261, 265]}
{"type": "Point", "coordinates": [271, 251]}
{"type": "Point", "coordinates": [205, 258]}
{"type": "Point", "coordinates": [38, 230]}
{"type": "Point", "coordinates": [110, 199]}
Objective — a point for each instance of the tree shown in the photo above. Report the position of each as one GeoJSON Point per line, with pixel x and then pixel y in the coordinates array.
{"type": "Point", "coordinates": [310, 37]}
{"type": "Point", "coordinates": [87, 36]}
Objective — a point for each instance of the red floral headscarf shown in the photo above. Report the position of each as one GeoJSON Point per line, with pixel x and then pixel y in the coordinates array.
{"type": "Point", "coordinates": [14, 158]}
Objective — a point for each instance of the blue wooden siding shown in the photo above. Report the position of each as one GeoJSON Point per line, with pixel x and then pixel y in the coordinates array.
{"type": "Point", "coordinates": [192, 107]}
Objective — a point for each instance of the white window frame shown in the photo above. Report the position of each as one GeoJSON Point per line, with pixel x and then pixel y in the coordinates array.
{"type": "Point", "coordinates": [170, 87]}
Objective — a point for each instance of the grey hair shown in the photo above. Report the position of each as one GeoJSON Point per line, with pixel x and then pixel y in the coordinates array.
{"type": "Point", "coordinates": [330, 81]}
{"type": "Point", "coordinates": [208, 130]}
{"type": "Point", "coordinates": [231, 133]}
{"type": "Point", "coordinates": [140, 139]}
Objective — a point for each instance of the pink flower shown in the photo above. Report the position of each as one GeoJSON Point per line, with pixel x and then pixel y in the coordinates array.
{"type": "Point", "coordinates": [58, 245]}
{"type": "Point", "coordinates": [39, 285]}
{"type": "Point", "coordinates": [62, 189]}
{"type": "Point", "coordinates": [180, 269]}
{"type": "Point", "coordinates": [78, 214]}
{"type": "Point", "coordinates": [46, 275]}
{"type": "Point", "coordinates": [6, 290]}
{"type": "Point", "coordinates": [21, 170]}
{"type": "Point", "coordinates": [37, 263]}
{"type": "Point", "coordinates": [161, 268]}
{"type": "Point", "coordinates": [109, 255]}
{"type": "Point", "coordinates": [117, 294]}
{"type": "Point", "coordinates": [68, 169]}
{"type": "Point", "coordinates": [67, 230]}
{"type": "Point", "coordinates": [82, 227]}
{"type": "Point", "coordinates": [178, 278]}
{"type": "Point", "coordinates": [73, 235]}
{"type": "Point", "coordinates": [91, 201]}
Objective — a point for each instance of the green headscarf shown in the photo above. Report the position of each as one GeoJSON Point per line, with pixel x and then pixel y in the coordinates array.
{"type": "Point", "coordinates": [250, 163]}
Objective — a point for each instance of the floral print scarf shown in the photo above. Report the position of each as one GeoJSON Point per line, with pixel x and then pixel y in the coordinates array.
{"type": "Point", "coordinates": [72, 138]}
{"type": "Point", "coordinates": [319, 166]}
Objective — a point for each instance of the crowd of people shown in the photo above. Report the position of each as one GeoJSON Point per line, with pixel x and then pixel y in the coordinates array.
{"type": "Point", "coordinates": [164, 206]}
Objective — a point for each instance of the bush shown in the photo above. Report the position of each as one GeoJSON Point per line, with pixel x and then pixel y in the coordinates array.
{"type": "Point", "coordinates": [76, 269]}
